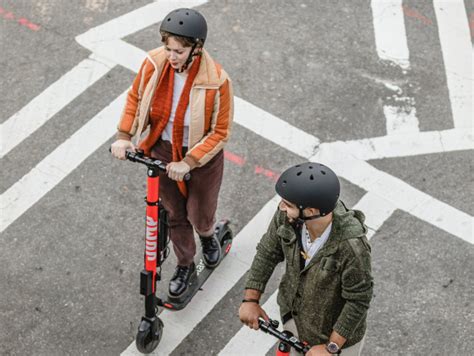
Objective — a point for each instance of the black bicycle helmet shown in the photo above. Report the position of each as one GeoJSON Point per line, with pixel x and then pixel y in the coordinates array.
{"type": "Point", "coordinates": [310, 185]}
{"type": "Point", "coordinates": [186, 23]}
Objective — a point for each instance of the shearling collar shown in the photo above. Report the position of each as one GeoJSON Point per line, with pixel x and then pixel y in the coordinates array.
{"type": "Point", "coordinates": [207, 76]}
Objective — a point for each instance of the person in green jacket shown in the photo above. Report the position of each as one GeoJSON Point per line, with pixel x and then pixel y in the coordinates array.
{"type": "Point", "coordinates": [325, 292]}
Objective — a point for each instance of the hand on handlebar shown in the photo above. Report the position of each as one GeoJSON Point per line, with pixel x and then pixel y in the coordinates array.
{"type": "Point", "coordinates": [249, 314]}
{"type": "Point", "coordinates": [177, 170]}
{"type": "Point", "coordinates": [119, 148]}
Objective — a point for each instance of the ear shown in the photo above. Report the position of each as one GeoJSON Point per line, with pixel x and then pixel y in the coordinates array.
{"type": "Point", "coordinates": [311, 211]}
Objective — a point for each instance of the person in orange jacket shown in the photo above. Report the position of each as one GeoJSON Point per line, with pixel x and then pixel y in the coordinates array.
{"type": "Point", "coordinates": [185, 99]}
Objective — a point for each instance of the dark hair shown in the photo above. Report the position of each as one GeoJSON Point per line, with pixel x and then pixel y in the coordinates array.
{"type": "Point", "coordinates": [184, 41]}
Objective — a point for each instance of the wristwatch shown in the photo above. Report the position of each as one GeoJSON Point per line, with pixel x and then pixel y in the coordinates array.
{"type": "Point", "coordinates": [333, 348]}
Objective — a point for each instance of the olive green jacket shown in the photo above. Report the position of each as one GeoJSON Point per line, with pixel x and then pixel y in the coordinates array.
{"type": "Point", "coordinates": [333, 291]}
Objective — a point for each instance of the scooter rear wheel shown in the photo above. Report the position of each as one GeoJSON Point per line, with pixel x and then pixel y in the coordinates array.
{"type": "Point", "coordinates": [223, 231]}
{"type": "Point", "coordinates": [147, 340]}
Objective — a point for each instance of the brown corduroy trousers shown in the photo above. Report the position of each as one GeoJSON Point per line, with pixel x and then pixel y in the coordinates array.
{"type": "Point", "coordinates": [198, 210]}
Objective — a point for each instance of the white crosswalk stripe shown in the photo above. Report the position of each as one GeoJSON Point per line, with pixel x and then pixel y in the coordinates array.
{"type": "Point", "coordinates": [51, 101]}
{"type": "Point", "coordinates": [457, 52]}
{"type": "Point", "coordinates": [392, 46]}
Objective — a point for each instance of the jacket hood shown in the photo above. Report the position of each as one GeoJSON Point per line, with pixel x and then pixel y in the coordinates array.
{"type": "Point", "coordinates": [347, 223]}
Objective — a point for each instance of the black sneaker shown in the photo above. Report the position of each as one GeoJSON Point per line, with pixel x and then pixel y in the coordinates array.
{"type": "Point", "coordinates": [211, 250]}
{"type": "Point", "coordinates": [180, 281]}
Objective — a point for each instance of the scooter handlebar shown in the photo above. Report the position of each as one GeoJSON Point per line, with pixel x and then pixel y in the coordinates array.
{"type": "Point", "coordinates": [271, 326]}
{"type": "Point", "coordinates": [149, 162]}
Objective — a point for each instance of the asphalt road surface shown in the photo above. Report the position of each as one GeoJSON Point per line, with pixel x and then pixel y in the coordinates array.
{"type": "Point", "coordinates": [380, 91]}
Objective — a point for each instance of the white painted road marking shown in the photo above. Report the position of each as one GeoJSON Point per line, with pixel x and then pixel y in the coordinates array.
{"type": "Point", "coordinates": [390, 33]}
{"type": "Point", "coordinates": [57, 165]}
{"type": "Point", "coordinates": [391, 44]}
{"type": "Point", "coordinates": [409, 144]}
{"type": "Point", "coordinates": [398, 193]}
{"type": "Point", "coordinates": [376, 211]}
{"type": "Point", "coordinates": [401, 119]}
{"type": "Point", "coordinates": [105, 40]}
{"type": "Point", "coordinates": [59, 94]}
{"type": "Point", "coordinates": [131, 22]}
{"type": "Point", "coordinates": [254, 342]}
{"type": "Point", "coordinates": [455, 39]}
{"type": "Point", "coordinates": [345, 164]}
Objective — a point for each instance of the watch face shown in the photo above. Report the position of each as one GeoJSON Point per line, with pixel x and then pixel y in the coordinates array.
{"type": "Point", "coordinates": [332, 347]}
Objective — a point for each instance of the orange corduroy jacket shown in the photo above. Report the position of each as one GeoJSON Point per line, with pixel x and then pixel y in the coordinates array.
{"type": "Point", "coordinates": [211, 105]}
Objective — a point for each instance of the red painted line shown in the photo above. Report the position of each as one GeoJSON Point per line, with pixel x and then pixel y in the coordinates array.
{"type": "Point", "coordinates": [238, 160]}
{"type": "Point", "coordinates": [259, 170]}
{"type": "Point", "coordinates": [8, 15]}
{"type": "Point", "coordinates": [416, 15]}
{"type": "Point", "coordinates": [28, 24]}
{"type": "Point", "coordinates": [267, 173]}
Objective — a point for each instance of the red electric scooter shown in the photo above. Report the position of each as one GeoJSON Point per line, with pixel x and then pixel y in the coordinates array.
{"type": "Point", "coordinates": [287, 339]}
{"type": "Point", "coordinates": [150, 329]}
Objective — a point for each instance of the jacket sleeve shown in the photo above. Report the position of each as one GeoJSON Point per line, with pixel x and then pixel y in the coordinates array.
{"type": "Point", "coordinates": [269, 254]}
{"type": "Point", "coordinates": [127, 120]}
{"type": "Point", "coordinates": [357, 288]}
{"type": "Point", "coordinates": [219, 132]}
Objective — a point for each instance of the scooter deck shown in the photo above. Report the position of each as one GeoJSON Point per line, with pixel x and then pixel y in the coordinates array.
{"type": "Point", "coordinates": [201, 275]}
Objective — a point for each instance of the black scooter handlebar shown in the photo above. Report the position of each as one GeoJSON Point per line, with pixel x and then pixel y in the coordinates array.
{"type": "Point", "coordinates": [149, 162]}
{"type": "Point", "coordinates": [271, 328]}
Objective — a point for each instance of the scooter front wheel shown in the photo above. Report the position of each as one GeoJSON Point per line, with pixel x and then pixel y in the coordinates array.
{"type": "Point", "coordinates": [149, 335]}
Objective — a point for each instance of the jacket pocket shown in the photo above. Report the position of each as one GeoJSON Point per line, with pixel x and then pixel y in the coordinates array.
{"type": "Point", "coordinates": [330, 264]}
{"type": "Point", "coordinates": [288, 242]}
{"type": "Point", "coordinates": [328, 274]}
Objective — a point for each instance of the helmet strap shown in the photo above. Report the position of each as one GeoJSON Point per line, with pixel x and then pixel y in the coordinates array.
{"type": "Point", "coordinates": [303, 218]}
{"type": "Point", "coordinates": [189, 60]}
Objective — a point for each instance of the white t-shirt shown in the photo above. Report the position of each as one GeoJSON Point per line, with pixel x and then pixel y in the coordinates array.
{"type": "Point", "coordinates": [311, 248]}
{"type": "Point", "coordinates": [167, 134]}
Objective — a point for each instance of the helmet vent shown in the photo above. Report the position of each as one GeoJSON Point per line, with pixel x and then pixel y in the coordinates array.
{"type": "Point", "coordinates": [311, 177]}
{"type": "Point", "coordinates": [323, 172]}
{"type": "Point", "coordinates": [299, 173]}
{"type": "Point", "coordinates": [187, 13]}
{"type": "Point", "coordinates": [169, 19]}
{"type": "Point", "coordinates": [284, 183]}
{"type": "Point", "coordinates": [181, 22]}
{"type": "Point", "coordinates": [310, 167]}
{"type": "Point", "coordinates": [297, 165]}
